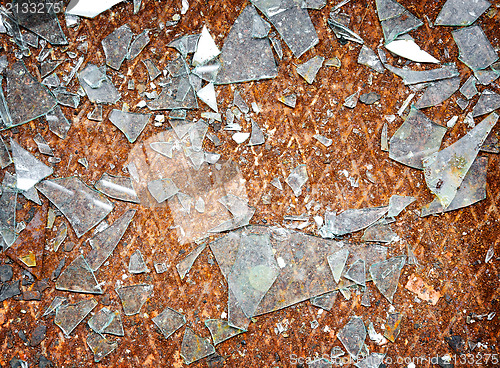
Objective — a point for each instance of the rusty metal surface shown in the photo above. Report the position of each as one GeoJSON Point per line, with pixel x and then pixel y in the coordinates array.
{"type": "Point", "coordinates": [450, 248]}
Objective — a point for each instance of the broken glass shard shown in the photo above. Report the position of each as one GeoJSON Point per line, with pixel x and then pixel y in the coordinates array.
{"type": "Point", "coordinates": [116, 325]}
{"type": "Point", "coordinates": [42, 145]}
{"type": "Point", "coordinates": [353, 336]}
{"type": "Point", "coordinates": [136, 263]}
{"type": "Point", "coordinates": [339, 24]}
{"type": "Point", "coordinates": [408, 49]}
{"type": "Point", "coordinates": [206, 49]}
{"type": "Point", "coordinates": [207, 95]}
{"type": "Point", "coordinates": [66, 98]}
{"type": "Point", "coordinates": [240, 137]}
{"type": "Point", "coordinates": [469, 89]}
{"type": "Point", "coordinates": [58, 124]}
{"type": "Point", "coordinates": [101, 320]}
{"type": "Point", "coordinates": [386, 274]}
{"type": "Point", "coordinates": [194, 347]}
{"type": "Point", "coordinates": [384, 141]}
{"type": "Point", "coordinates": [209, 71]}
{"type": "Point", "coordinates": [69, 316]}
{"type": "Point", "coordinates": [310, 68]}
{"type": "Point", "coordinates": [313, 4]}
{"type": "Point", "coordinates": [62, 232]}
{"type": "Point", "coordinates": [387, 9]}
{"type": "Point", "coordinates": [29, 170]}
{"type": "Point", "coordinates": [491, 143]}
{"type": "Point", "coordinates": [257, 137]}
{"type": "Point", "coordinates": [166, 148]}
{"type": "Point", "coordinates": [5, 159]}
{"type": "Point", "coordinates": [398, 203]}
{"type": "Point", "coordinates": [368, 57]}
{"type": "Point", "coordinates": [350, 221]}
{"type": "Point", "coordinates": [176, 95]}
{"type": "Point", "coordinates": [56, 303]}
{"type": "Point", "coordinates": [100, 346]}
{"type": "Point", "coordinates": [169, 321]}
{"type": "Point", "coordinates": [138, 44]}
{"type": "Point", "coordinates": [369, 98]}
{"type": "Point", "coordinates": [351, 101]}
{"type": "Point", "coordinates": [297, 178]}
{"type": "Point", "coordinates": [133, 297]}
{"type": "Point", "coordinates": [52, 80]}
{"type": "Point", "coordinates": [277, 183]}
{"type": "Point", "coordinates": [421, 76]}
{"type": "Point", "coordinates": [475, 49]}
{"type": "Point", "coordinates": [79, 278]}
{"type": "Point", "coordinates": [162, 189]}
{"type": "Point", "coordinates": [418, 137]}
{"type": "Point", "coordinates": [325, 301]}
{"type": "Point", "coordinates": [463, 104]}
{"type": "Point", "coordinates": [488, 101]}
{"type": "Point", "coordinates": [221, 330]}
{"type": "Point", "coordinates": [116, 46]}
{"type": "Point", "coordinates": [357, 272]}
{"type": "Point", "coordinates": [103, 243]}
{"type": "Point", "coordinates": [327, 142]}
{"type": "Point", "coordinates": [95, 114]}
{"type": "Point", "coordinates": [48, 66]}
{"type": "Point", "coordinates": [103, 91]}
{"type": "Point", "coordinates": [289, 100]}
{"type": "Point", "coordinates": [117, 187]}
{"type": "Point", "coordinates": [131, 124]}
{"type": "Point", "coordinates": [461, 12]}
{"type": "Point", "coordinates": [399, 25]}
{"type": "Point", "coordinates": [240, 103]}
{"type": "Point", "coordinates": [236, 316]}
{"type": "Point", "coordinates": [277, 47]}
{"type": "Point", "coordinates": [153, 70]}
{"type": "Point", "coordinates": [184, 266]}
{"type": "Point", "coordinates": [445, 170]}
{"type": "Point", "coordinates": [90, 9]}
{"type": "Point", "coordinates": [393, 326]}
{"type": "Point", "coordinates": [337, 263]}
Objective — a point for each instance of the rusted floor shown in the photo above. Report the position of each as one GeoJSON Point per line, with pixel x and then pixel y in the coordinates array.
{"type": "Point", "coordinates": [450, 248]}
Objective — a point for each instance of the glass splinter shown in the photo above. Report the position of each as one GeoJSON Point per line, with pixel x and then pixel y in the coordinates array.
{"type": "Point", "coordinates": [162, 189]}
{"type": "Point", "coordinates": [79, 278]}
{"type": "Point", "coordinates": [289, 100]}
{"type": "Point", "coordinates": [327, 142]}
{"type": "Point", "coordinates": [116, 325]}
{"type": "Point", "coordinates": [56, 303]}
{"type": "Point", "coordinates": [350, 221]}
{"type": "Point", "coordinates": [100, 346]}
{"type": "Point", "coordinates": [398, 203]}
{"type": "Point", "coordinates": [353, 336]}
{"type": "Point", "coordinates": [185, 265]}
{"type": "Point", "coordinates": [339, 24]}
{"type": "Point", "coordinates": [369, 58]}
{"type": "Point", "coordinates": [62, 232]}
{"type": "Point", "coordinates": [384, 140]}
{"type": "Point", "coordinates": [421, 76]}
{"type": "Point", "coordinates": [58, 124]}
{"type": "Point", "coordinates": [386, 274]}
{"type": "Point", "coordinates": [297, 178]}
{"type": "Point", "coordinates": [488, 101]}
{"type": "Point", "coordinates": [116, 45]}
{"type": "Point", "coordinates": [351, 101]}
{"type": "Point", "coordinates": [393, 326]}
{"type": "Point", "coordinates": [337, 263]}
{"type": "Point", "coordinates": [136, 263]}
{"type": "Point", "coordinates": [117, 187]}
{"type": "Point", "coordinates": [83, 207]}
{"type": "Point", "coordinates": [461, 12]}
{"type": "Point", "coordinates": [438, 92]}
{"type": "Point", "coordinates": [133, 297]}
{"type": "Point", "coordinates": [357, 272]}
{"type": "Point", "coordinates": [169, 321]}
{"type": "Point", "coordinates": [325, 301]}
{"type": "Point", "coordinates": [42, 145]}
{"type": "Point", "coordinates": [69, 316]}
{"type": "Point", "coordinates": [97, 85]}
{"type": "Point", "coordinates": [131, 124]}
{"type": "Point", "coordinates": [221, 330]}
{"type": "Point", "coordinates": [29, 170]}
{"type": "Point", "coordinates": [406, 47]}
{"type": "Point", "coordinates": [194, 347]}
{"type": "Point", "coordinates": [475, 49]}
{"type": "Point", "coordinates": [310, 68]}
{"type": "Point", "coordinates": [101, 320]}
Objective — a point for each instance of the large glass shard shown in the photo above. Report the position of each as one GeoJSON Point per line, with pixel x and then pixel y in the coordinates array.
{"type": "Point", "coordinates": [406, 47]}
{"type": "Point", "coordinates": [104, 242]}
{"type": "Point", "coordinates": [100, 346]}
{"type": "Point", "coordinates": [221, 330]}
{"type": "Point", "coordinates": [357, 272]}
{"type": "Point", "coordinates": [168, 98]}
{"type": "Point", "coordinates": [69, 316]}
{"type": "Point", "coordinates": [162, 189]}
{"type": "Point", "coordinates": [185, 265]}
{"type": "Point", "coordinates": [194, 347]}
{"type": "Point", "coordinates": [310, 68]}
{"type": "Point", "coordinates": [117, 187]}
{"type": "Point", "coordinates": [339, 24]}
{"type": "Point", "coordinates": [421, 76]}
{"type": "Point", "coordinates": [396, 26]}
{"type": "Point", "coordinates": [438, 92]}
{"type": "Point", "coordinates": [254, 271]}
{"type": "Point", "coordinates": [369, 58]}
{"type": "Point", "coordinates": [83, 207]}
{"type": "Point", "coordinates": [488, 101]}
{"type": "Point", "coordinates": [169, 321]}
{"type": "Point", "coordinates": [116, 45]}
{"type": "Point", "coordinates": [398, 203]}
{"type": "Point", "coordinates": [138, 44]}
{"type": "Point", "coordinates": [116, 325]}
{"type": "Point", "coordinates": [130, 123]}
{"type": "Point", "coordinates": [325, 301]}
{"type": "Point", "coordinates": [206, 49]}
{"type": "Point", "coordinates": [133, 297]}
{"type": "Point", "coordinates": [337, 262]}
{"type": "Point", "coordinates": [58, 124]}
{"type": "Point", "coordinates": [243, 57]}
{"type": "Point", "coordinates": [90, 8]}
{"type": "Point", "coordinates": [445, 170]}
{"type": "Point", "coordinates": [101, 320]}
{"type": "Point", "coordinates": [379, 232]}
{"type": "Point", "coordinates": [29, 170]}
{"type": "Point", "coordinates": [103, 91]}
{"type": "Point", "coordinates": [5, 159]}
{"type": "Point", "coordinates": [79, 278]}
{"type": "Point", "coordinates": [469, 89]}
{"type": "Point", "coordinates": [292, 23]}
{"type": "Point", "coordinates": [418, 137]}
{"type": "Point", "coordinates": [475, 49]}
{"type": "Point", "coordinates": [297, 178]}
{"type": "Point", "coordinates": [353, 336]}
{"type": "Point", "coordinates": [26, 98]}
{"type": "Point", "coordinates": [350, 221]}
{"type": "Point", "coordinates": [386, 274]}
{"type": "Point", "coordinates": [461, 12]}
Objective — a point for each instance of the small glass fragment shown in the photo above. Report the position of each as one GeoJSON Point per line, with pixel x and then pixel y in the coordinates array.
{"type": "Point", "coordinates": [116, 46]}
{"type": "Point", "coordinates": [407, 48]}
{"type": "Point", "coordinates": [399, 25]}
{"type": "Point", "coordinates": [29, 259]}
{"type": "Point", "coordinates": [100, 346]}
{"type": "Point", "coordinates": [138, 44]}
{"type": "Point", "coordinates": [184, 266]}
{"type": "Point", "coordinates": [357, 272]}
{"type": "Point", "coordinates": [133, 297]}
{"type": "Point", "coordinates": [384, 142]}
{"type": "Point", "coordinates": [194, 347]}
{"type": "Point", "coordinates": [153, 70]}
{"type": "Point", "coordinates": [52, 80]}
{"type": "Point", "coordinates": [475, 49]}
{"type": "Point", "coordinates": [277, 47]}
{"type": "Point", "coordinates": [487, 76]}
{"type": "Point", "coordinates": [29, 170]}
{"type": "Point", "coordinates": [257, 136]}
{"type": "Point", "coordinates": [208, 96]}
{"type": "Point", "coordinates": [421, 76]}
{"type": "Point", "coordinates": [95, 114]}
{"type": "Point", "coordinates": [461, 12]}
{"type": "Point", "coordinates": [42, 145]}
{"type": "Point", "coordinates": [116, 325]}
{"type": "Point", "coordinates": [66, 98]}
{"type": "Point", "coordinates": [489, 254]}
{"type": "Point", "coordinates": [488, 101]}
{"type": "Point", "coordinates": [393, 326]}
{"type": "Point", "coordinates": [350, 221]}
{"type": "Point", "coordinates": [369, 98]}
{"type": "Point", "coordinates": [310, 68]}
{"type": "Point", "coordinates": [339, 24]}
{"type": "Point", "coordinates": [325, 301]}
{"type": "Point", "coordinates": [462, 103]}
{"type": "Point", "coordinates": [327, 142]}
{"type": "Point", "coordinates": [58, 124]}
{"type": "Point", "coordinates": [277, 183]}
{"type": "Point", "coordinates": [56, 303]}
{"type": "Point", "coordinates": [5, 159]}
{"type": "Point", "coordinates": [162, 189]}
{"type": "Point", "coordinates": [169, 321]}
{"type": "Point", "coordinates": [334, 61]}
{"type": "Point", "coordinates": [398, 203]}
{"type": "Point", "coordinates": [353, 336]}
{"type": "Point", "coordinates": [438, 92]}
{"type": "Point", "coordinates": [136, 263]}
{"type": "Point", "coordinates": [297, 178]}
{"type": "Point", "coordinates": [48, 67]}
{"type": "Point", "coordinates": [469, 89]}
{"type": "Point", "coordinates": [366, 299]}
{"type": "Point", "coordinates": [221, 330]}
{"type": "Point", "coordinates": [369, 58]}
{"type": "Point", "coordinates": [101, 320]}
{"type": "Point", "coordinates": [351, 101]}
{"type": "Point", "coordinates": [69, 316]}
{"type": "Point", "coordinates": [240, 137]}
{"type": "Point", "coordinates": [289, 100]}
{"type": "Point", "coordinates": [97, 85]}
{"type": "Point", "coordinates": [379, 232]}
{"type": "Point", "coordinates": [206, 49]}
{"type": "Point", "coordinates": [386, 274]}
{"type": "Point", "coordinates": [337, 263]}
{"type": "Point", "coordinates": [78, 278]}
{"type": "Point", "coordinates": [131, 124]}
{"type": "Point", "coordinates": [62, 232]}
{"type": "Point", "coordinates": [117, 187]}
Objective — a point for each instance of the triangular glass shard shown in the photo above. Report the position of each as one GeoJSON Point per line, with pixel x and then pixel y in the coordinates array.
{"type": "Point", "coordinates": [185, 265]}
{"type": "Point", "coordinates": [69, 316]}
{"type": "Point", "coordinates": [351, 101]}
{"type": "Point", "coordinates": [101, 320]}
{"type": "Point", "coordinates": [310, 68]}
{"type": "Point", "coordinates": [100, 346]}
{"type": "Point", "coordinates": [445, 170]}
{"type": "Point", "coordinates": [297, 178]}
{"type": "Point", "coordinates": [133, 297]}
{"type": "Point", "coordinates": [206, 49]}
{"type": "Point", "coordinates": [398, 203]}
{"type": "Point", "coordinates": [42, 145]}
{"type": "Point", "coordinates": [350, 221]}
{"type": "Point", "coordinates": [136, 263]}
{"type": "Point", "coordinates": [116, 45]}
{"type": "Point", "coordinates": [185, 44]}
{"type": "Point", "coordinates": [403, 23]}
{"type": "Point", "coordinates": [406, 47]}
{"type": "Point", "coordinates": [325, 301]}
{"type": "Point", "coordinates": [152, 69]}
{"type": "Point", "coordinates": [387, 9]}
{"type": "Point", "coordinates": [169, 321]}
{"type": "Point", "coordinates": [95, 114]}
{"type": "Point", "coordinates": [488, 101]}
{"type": "Point", "coordinates": [138, 44]}
{"type": "Point", "coordinates": [56, 303]}
{"type": "Point", "coordinates": [29, 170]}
{"type": "Point", "coordinates": [117, 187]}
{"type": "Point", "coordinates": [165, 148]}
{"type": "Point", "coordinates": [58, 124]}
{"type": "Point", "coordinates": [5, 159]}
{"type": "Point", "coordinates": [162, 189]}
{"type": "Point", "coordinates": [386, 274]}
{"type": "Point", "coordinates": [207, 95]}
{"type": "Point", "coordinates": [357, 272]}
{"type": "Point", "coordinates": [277, 183]}
{"type": "Point", "coordinates": [83, 207]}
{"type": "Point", "coordinates": [103, 243]}
{"type": "Point", "coordinates": [438, 92]}
{"type": "Point", "coordinates": [421, 76]}
{"type": "Point", "coordinates": [48, 66]}
{"type": "Point", "coordinates": [469, 89]}
{"type": "Point", "coordinates": [52, 80]}
{"type": "Point", "coordinates": [474, 48]}
{"type": "Point", "coordinates": [289, 100]}
{"type": "Point", "coordinates": [369, 58]}
{"type": "Point", "coordinates": [32, 195]}
{"type": "Point", "coordinates": [130, 123]}
{"type": "Point", "coordinates": [353, 336]}
{"type": "Point", "coordinates": [103, 91]}
{"type": "Point", "coordinates": [90, 9]}
{"type": "Point", "coordinates": [461, 12]}
{"type": "Point", "coordinates": [257, 137]}
{"type": "Point", "coordinates": [337, 263]}
{"type": "Point", "coordinates": [37, 100]}
{"type": "Point", "coordinates": [116, 325]}
{"type": "Point", "coordinates": [240, 103]}
{"type": "Point", "coordinates": [374, 360]}
{"type": "Point", "coordinates": [78, 278]}
{"type": "Point", "coordinates": [221, 330]}
{"type": "Point", "coordinates": [393, 326]}
{"type": "Point", "coordinates": [62, 233]}
{"type": "Point", "coordinates": [194, 347]}
{"type": "Point", "coordinates": [418, 137]}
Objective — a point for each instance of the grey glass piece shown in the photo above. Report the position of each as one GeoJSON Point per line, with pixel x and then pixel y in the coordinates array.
{"type": "Point", "coordinates": [398, 203]}
{"type": "Point", "coordinates": [100, 346]}
{"type": "Point", "coordinates": [95, 114]}
{"type": "Point", "coordinates": [184, 266]}
{"type": "Point", "coordinates": [56, 303]}
{"type": "Point", "coordinates": [103, 91]}
{"type": "Point", "coordinates": [325, 301]}
{"type": "Point", "coordinates": [131, 124]}
{"type": "Point", "coordinates": [297, 178]}
{"type": "Point", "coordinates": [257, 137]}
{"type": "Point", "coordinates": [289, 100]}
{"type": "Point", "coordinates": [260, 28]}
{"type": "Point", "coordinates": [116, 46]}
{"type": "Point", "coordinates": [236, 317]}
{"type": "Point", "coordinates": [462, 103]}
{"type": "Point", "coordinates": [220, 330]}
{"type": "Point", "coordinates": [162, 189]}
{"type": "Point", "coordinates": [93, 76]}
{"type": "Point", "coordinates": [366, 298]}
{"type": "Point", "coordinates": [310, 68]}
{"type": "Point", "coordinates": [83, 207]}
{"type": "Point", "coordinates": [491, 143]}
{"type": "Point", "coordinates": [474, 48]}
{"type": "Point", "coordinates": [29, 170]}
{"type": "Point", "coordinates": [178, 67]}
{"type": "Point", "coordinates": [167, 100]}
{"type": "Point", "coordinates": [339, 24]}
{"type": "Point", "coordinates": [133, 297]}
{"type": "Point", "coordinates": [277, 47]}
{"type": "Point", "coordinates": [5, 159]}
{"type": "Point", "coordinates": [351, 101]}
{"type": "Point", "coordinates": [337, 262]}
{"type": "Point", "coordinates": [488, 101]}
{"type": "Point", "coordinates": [418, 137]}
{"type": "Point", "coordinates": [393, 326]}
{"type": "Point", "coordinates": [353, 336]}
{"type": "Point", "coordinates": [37, 100]}
{"type": "Point", "coordinates": [152, 69]}
{"type": "Point", "coordinates": [401, 24]}
{"type": "Point", "coordinates": [369, 58]}
{"type": "Point", "coordinates": [8, 200]}
{"type": "Point", "coordinates": [327, 142]}
{"type": "Point", "coordinates": [58, 124]}
{"type": "Point", "coordinates": [486, 76]}
{"type": "Point", "coordinates": [369, 98]}
{"type": "Point", "coordinates": [42, 145]}
{"type": "Point", "coordinates": [138, 44]}
{"type": "Point", "coordinates": [374, 360]}
{"type": "Point", "coordinates": [116, 325]}
{"type": "Point", "coordinates": [240, 103]}
{"type": "Point", "coordinates": [69, 316]}
{"type": "Point", "coordinates": [5, 117]}
{"type": "Point", "coordinates": [421, 76]}
{"type": "Point", "coordinates": [169, 321]}
{"type": "Point", "coordinates": [469, 89]}
{"type": "Point", "coordinates": [357, 272]}
{"type": "Point", "coordinates": [165, 148]}
{"type": "Point", "coordinates": [320, 363]}
{"type": "Point", "coordinates": [387, 9]}
{"type": "Point", "coordinates": [78, 278]}
{"type": "Point", "coordinates": [208, 72]}
{"type": "Point", "coordinates": [438, 92]}
{"type": "Point", "coordinates": [103, 243]}
{"type": "Point", "coordinates": [62, 233]}
{"type": "Point", "coordinates": [350, 221]}
{"type": "Point", "coordinates": [137, 6]}
{"type": "Point", "coordinates": [445, 170]}
{"type": "Point", "coordinates": [384, 140]}
{"type": "Point", "coordinates": [461, 12]}
{"type": "Point", "coordinates": [117, 187]}
{"type": "Point", "coordinates": [52, 81]}
{"type": "Point", "coordinates": [101, 320]}
{"type": "Point", "coordinates": [66, 98]}
{"type": "Point", "coordinates": [48, 66]}
{"type": "Point", "coordinates": [386, 274]}
{"type": "Point", "coordinates": [136, 263]}
{"type": "Point", "coordinates": [194, 347]}
{"type": "Point", "coordinates": [313, 4]}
